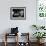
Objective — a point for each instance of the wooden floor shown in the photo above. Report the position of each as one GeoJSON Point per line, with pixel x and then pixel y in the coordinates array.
{"type": "Point", "coordinates": [13, 44]}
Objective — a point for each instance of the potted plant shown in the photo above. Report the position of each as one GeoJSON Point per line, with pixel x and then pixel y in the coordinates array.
{"type": "Point", "coordinates": [39, 35]}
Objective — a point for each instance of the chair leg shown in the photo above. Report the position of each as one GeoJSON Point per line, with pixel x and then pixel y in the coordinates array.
{"type": "Point", "coordinates": [5, 43]}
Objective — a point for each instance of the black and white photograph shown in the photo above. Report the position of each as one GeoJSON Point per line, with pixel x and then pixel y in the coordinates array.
{"type": "Point", "coordinates": [17, 13]}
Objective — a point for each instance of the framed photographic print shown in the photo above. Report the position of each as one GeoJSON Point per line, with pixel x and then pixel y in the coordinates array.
{"type": "Point", "coordinates": [41, 12]}
{"type": "Point", "coordinates": [17, 13]}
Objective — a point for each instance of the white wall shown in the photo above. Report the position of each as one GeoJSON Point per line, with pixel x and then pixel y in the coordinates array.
{"type": "Point", "coordinates": [24, 25]}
